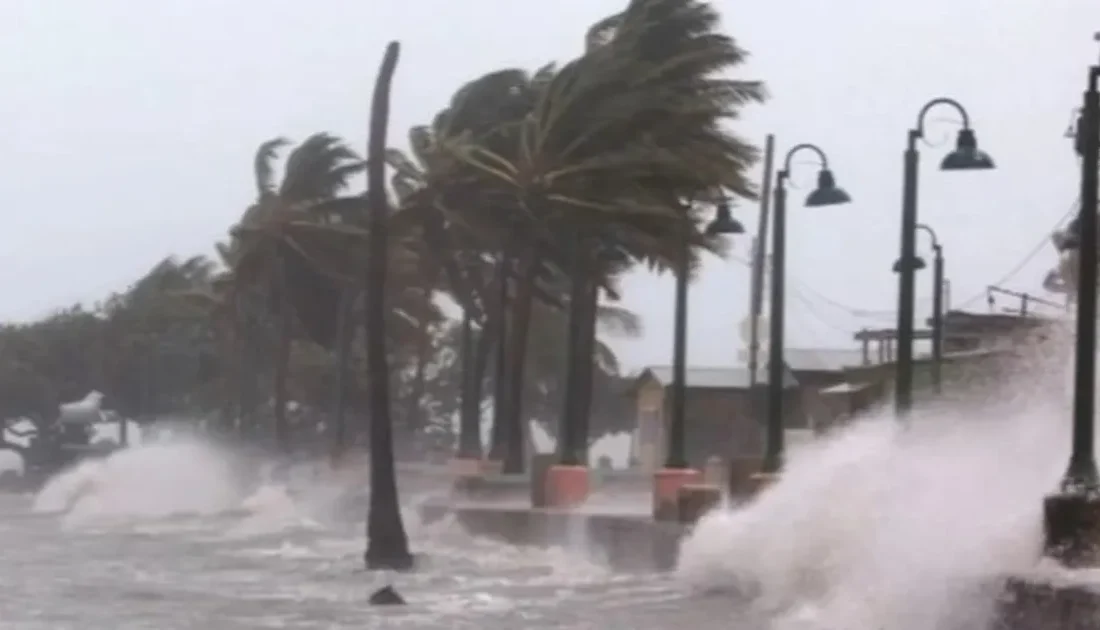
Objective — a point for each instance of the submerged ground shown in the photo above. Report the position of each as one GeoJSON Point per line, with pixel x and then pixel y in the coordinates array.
{"type": "Point", "coordinates": [275, 568]}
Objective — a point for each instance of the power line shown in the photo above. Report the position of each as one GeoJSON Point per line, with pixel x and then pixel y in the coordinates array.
{"type": "Point", "coordinates": [814, 313]}
{"type": "Point", "coordinates": [1027, 259]}
{"type": "Point", "coordinates": [860, 313]}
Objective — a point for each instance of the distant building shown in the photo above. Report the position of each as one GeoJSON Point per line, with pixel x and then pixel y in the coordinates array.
{"type": "Point", "coordinates": [718, 412]}
{"type": "Point", "coordinates": [823, 388]}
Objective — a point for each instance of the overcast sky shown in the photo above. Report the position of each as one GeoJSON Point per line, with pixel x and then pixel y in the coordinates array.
{"type": "Point", "coordinates": [129, 127]}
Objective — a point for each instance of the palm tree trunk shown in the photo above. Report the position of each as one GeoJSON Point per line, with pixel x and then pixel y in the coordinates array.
{"type": "Point", "coordinates": [345, 337]}
{"type": "Point", "coordinates": [414, 411]}
{"type": "Point", "coordinates": [282, 366]}
{"type": "Point", "coordinates": [586, 362]}
{"type": "Point", "coordinates": [498, 436]}
{"type": "Point", "coordinates": [572, 432]}
{"type": "Point", "coordinates": [469, 421]}
{"type": "Point", "coordinates": [387, 543]}
{"type": "Point", "coordinates": [515, 421]}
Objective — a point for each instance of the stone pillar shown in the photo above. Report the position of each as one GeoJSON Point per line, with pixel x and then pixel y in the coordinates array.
{"type": "Point", "coordinates": [1072, 600]}
{"type": "Point", "coordinates": [695, 500]}
{"type": "Point", "coordinates": [715, 472]}
{"type": "Point", "coordinates": [465, 468]}
{"type": "Point", "coordinates": [541, 464]}
{"type": "Point", "coordinates": [566, 486]}
{"type": "Point", "coordinates": [466, 475]}
{"type": "Point", "coordinates": [491, 467]}
{"type": "Point", "coordinates": [666, 491]}
{"type": "Point", "coordinates": [1072, 523]}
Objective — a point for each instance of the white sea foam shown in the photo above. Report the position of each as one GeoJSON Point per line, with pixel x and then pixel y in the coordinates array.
{"type": "Point", "coordinates": [890, 525]}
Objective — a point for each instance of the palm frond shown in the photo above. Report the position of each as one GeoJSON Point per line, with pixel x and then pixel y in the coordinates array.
{"type": "Point", "coordinates": [264, 165]}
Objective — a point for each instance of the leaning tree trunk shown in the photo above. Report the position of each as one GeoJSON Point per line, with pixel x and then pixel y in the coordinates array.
{"type": "Point", "coordinates": [387, 543]}
{"type": "Point", "coordinates": [345, 337]}
{"type": "Point", "coordinates": [586, 358]}
{"type": "Point", "coordinates": [498, 435]}
{"type": "Point", "coordinates": [473, 382]}
{"type": "Point", "coordinates": [514, 419]}
{"type": "Point", "coordinates": [282, 364]}
{"type": "Point", "coordinates": [573, 428]}
{"type": "Point", "coordinates": [469, 421]}
{"type": "Point", "coordinates": [415, 417]}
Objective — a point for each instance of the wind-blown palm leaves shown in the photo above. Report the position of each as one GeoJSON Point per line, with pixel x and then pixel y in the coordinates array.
{"type": "Point", "coordinates": [269, 255]}
{"type": "Point", "coordinates": [592, 168]}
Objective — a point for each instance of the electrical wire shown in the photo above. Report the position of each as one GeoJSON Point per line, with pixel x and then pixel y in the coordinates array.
{"type": "Point", "coordinates": [1027, 258]}
{"type": "Point", "coordinates": [859, 313]}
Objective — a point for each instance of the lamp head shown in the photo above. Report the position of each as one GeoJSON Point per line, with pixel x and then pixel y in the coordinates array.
{"type": "Point", "coordinates": [966, 156]}
{"type": "Point", "coordinates": [827, 193]}
{"type": "Point", "coordinates": [917, 264]}
{"type": "Point", "coordinates": [723, 222]}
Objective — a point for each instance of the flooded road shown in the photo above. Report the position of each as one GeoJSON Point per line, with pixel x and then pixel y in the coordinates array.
{"type": "Point", "coordinates": [273, 566]}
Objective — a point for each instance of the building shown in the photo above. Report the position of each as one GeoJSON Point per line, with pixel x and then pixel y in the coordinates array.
{"type": "Point", "coordinates": [719, 411]}
{"type": "Point", "coordinates": [824, 387]}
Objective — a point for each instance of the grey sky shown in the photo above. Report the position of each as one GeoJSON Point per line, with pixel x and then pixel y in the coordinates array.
{"type": "Point", "coordinates": [129, 128]}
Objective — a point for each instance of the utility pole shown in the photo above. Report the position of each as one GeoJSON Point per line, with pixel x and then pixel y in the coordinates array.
{"type": "Point", "coordinates": [759, 258]}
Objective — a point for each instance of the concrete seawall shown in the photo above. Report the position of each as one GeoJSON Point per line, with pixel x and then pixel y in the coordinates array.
{"type": "Point", "coordinates": [622, 541]}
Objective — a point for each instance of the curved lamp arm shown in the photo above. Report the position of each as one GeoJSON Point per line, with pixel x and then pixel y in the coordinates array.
{"type": "Point", "coordinates": [803, 147]}
{"type": "Point", "coordinates": [919, 129]}
{"type": "Point", "coordinates": [931, 233]}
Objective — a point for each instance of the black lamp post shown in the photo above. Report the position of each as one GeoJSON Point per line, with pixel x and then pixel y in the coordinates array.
{"type": "Point", "coordinates": [826, 194]}
{"type": "Point", "coordinates": [1072, 517]}
{"type": "Point", "coordinates": [937, 303]}
{"type": "Point", "coordinates": [676, 457]}
{"type": "Point", "coordinates": [966, 156]}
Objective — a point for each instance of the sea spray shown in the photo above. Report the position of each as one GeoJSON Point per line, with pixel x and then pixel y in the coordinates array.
{"type": "Point", "coordinates": [148, 481]}
{"type": "Point", "coordinates": [892, 525]}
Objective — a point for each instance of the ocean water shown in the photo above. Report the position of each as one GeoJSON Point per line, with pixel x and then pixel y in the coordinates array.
{"type": "Point", "coordinates": [168, 536]}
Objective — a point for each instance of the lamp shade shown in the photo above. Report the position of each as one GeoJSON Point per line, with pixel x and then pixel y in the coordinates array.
{"type": "Point", "coordinates": [966, 156]}
{"type": "Point", "coordinates": [827, 193]}
{"type": "Point", "coordinates": [724, 223]}
{"type": "Point", "coordinates": [918, 264]}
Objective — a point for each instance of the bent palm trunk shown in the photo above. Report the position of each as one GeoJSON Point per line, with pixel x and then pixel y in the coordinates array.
{"type": "Point", "coordinates": [498, 440]}
{"type": "Point", "coordinates": [345, 337]}
{"type": "Point", "coordinates": [282, 366]}
{"type": "Point", "coordinates": [387, 543]}
{"type": "Point", "coordinates": [469, 423]}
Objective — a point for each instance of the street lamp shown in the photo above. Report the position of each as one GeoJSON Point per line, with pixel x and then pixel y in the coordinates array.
{"type": "Point", "coordinates": [965, 157]}
{"type": "Point", "coordinates": [826, 194]}
{"type": "Point", "coordinates": [1072, 516]}
{"type": "Point", "coordinates": [677, 471]}
{"type": "Point", "coordinates": [676, 457]}
{"type": "Point", "coordinates": [937, 303]}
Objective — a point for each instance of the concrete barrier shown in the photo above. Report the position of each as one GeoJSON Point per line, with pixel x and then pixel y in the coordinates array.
{"type": "Point", "coordinates": [622, 542]}
{"type": "Point", "coordinates": [1029, 604]}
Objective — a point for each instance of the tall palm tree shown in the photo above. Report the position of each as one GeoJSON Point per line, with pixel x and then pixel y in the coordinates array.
{"type": "Point", "coordinates": [387, 543]}
{"type": "Point", "coordinates": [615, 143]}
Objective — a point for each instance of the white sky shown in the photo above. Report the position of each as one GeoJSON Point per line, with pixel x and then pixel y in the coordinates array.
{"type": "Point", "coordinates": [129, 127]}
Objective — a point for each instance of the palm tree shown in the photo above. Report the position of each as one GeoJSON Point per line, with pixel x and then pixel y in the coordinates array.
{"type": "Point", "coordinates": [316, 173]}
{"type": "Point", "coordinates": [606, 151]}
{"type": "Point", "coordinates": [387, 543]}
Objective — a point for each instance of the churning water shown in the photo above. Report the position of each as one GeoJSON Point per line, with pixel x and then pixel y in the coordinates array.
{"type": "Point", "coordinates": [879, 526]}
{"type": "Point", "coordinates": [896, 526]}
{"type": "Point", "coordinates": [182, 534]}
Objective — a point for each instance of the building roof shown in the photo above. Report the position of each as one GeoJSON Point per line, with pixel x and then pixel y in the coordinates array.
{"type": "Point", "coordinates": [713, 377]}
{"type": "Point", "coordinates": [845, 388]}
{"type": "Point", "coordinates": [823, 359]}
